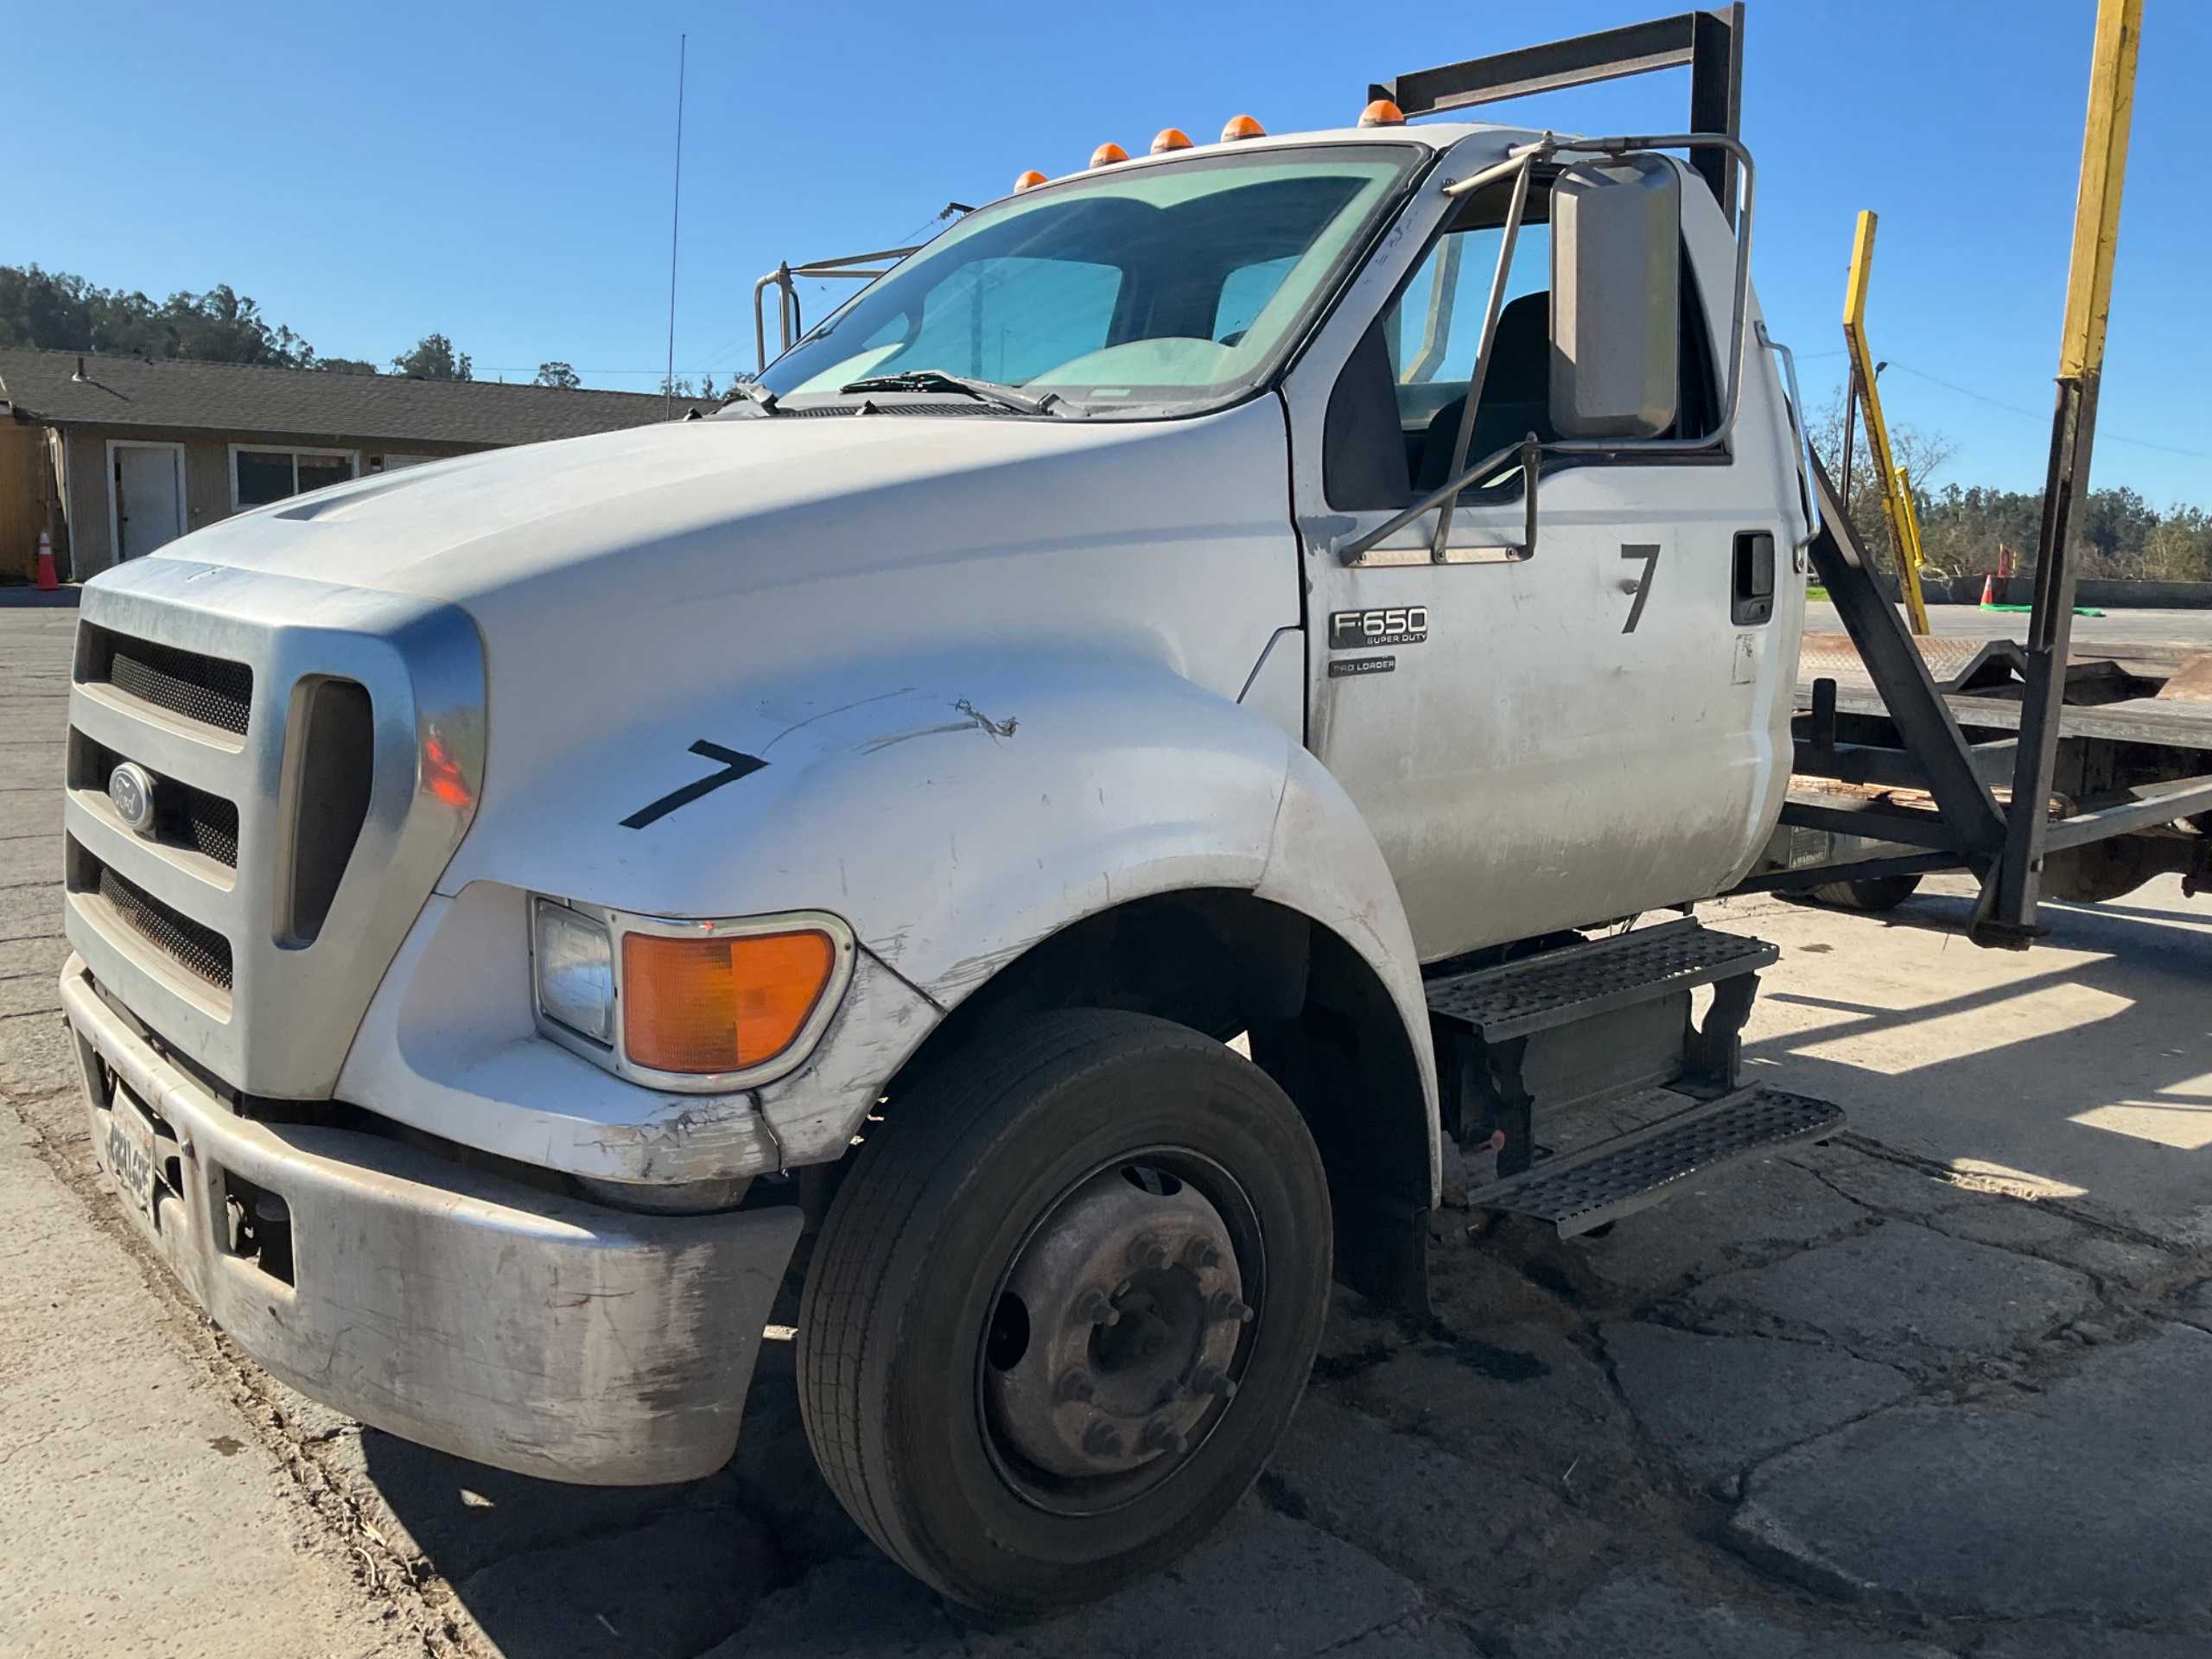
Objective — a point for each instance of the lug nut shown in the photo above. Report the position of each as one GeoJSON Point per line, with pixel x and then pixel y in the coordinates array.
{"type": "Point", "coordinates": [1211, 1380]}
{"type": "Point", "coordinates": [1160, 1435]}
{"type": "Point", "coordinates": [1102, 1440]}
{"type": "Point", "coordinates": [1074, 1388]}
{"type": "Point", "coordinates": [1092, 1308]}
{"type": "Point", "coordinates": [1198, 1256]}
{"type": "Point", "coordinates": [1221, 1306]}
{"type": "Point", "coordinates": [1148, 1252]}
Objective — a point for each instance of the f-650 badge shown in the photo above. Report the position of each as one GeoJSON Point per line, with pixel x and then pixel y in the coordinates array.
{"type": "Point", "coordinates": [1405, 625]}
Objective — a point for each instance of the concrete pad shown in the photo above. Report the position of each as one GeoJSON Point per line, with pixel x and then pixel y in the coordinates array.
{"type": "Point", "coordinates": [32, 765]}
{"type": "Point", "coordinates": [32, 810]}
{"type": "Point", "coordinates": [671, 1586]}
{"type": "Point", "coordinates": [2082, 1068]}
{"type": "Point", "coordinates": [1652, 1619]}
{"type": "Point", "coordinates": [1736, 1217]}
{"type": "Point", "coordinates": [38, 1055]}
{"type": "Point", "coordinates": [32, 912]}
{"type": "Point", "coordinates": [1903, 1292]}
{"type": "Point", "coordinates": [1262, 1584]}
{"type": "Point", "coordinates": [2091, 1500]}
{"type": "Point", "coordinates": [1717, 1404]}
{"type": "Point", "coordinates": [37, 957]}
{"type": "Point", "coordinates": [2046, 1640]}
{"type": "Point", "coordinates": [854, 1607]}
{"type": "Point", "coordinates": [1520, 1403]}
{"type": "Point", "coordinates": [137, 1513]}
{"type": "Point", "coordinates": [1450, 1525]}
{"type": "Point", "coordinates": [464, 1517]}
{"type": "Point", "coordinates": [1417, 1639]}
{"type": "Point", "coordinates": [2195, 1306]}
{"type": "Point", "coordinates": [28, 994]}
{"type": "Point", "coordinates": [28, 860]}
{"type": "Point", "coordinates": [1979, 1207]}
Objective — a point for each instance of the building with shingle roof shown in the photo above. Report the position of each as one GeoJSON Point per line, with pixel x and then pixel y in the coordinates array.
{"type": "Point", "coordinates": [114, 456]}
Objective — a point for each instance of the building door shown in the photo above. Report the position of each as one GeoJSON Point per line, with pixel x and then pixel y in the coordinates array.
{"type": "Point", "coordinates": [147, 503]}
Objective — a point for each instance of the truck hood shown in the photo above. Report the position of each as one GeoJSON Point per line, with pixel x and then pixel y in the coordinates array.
{"type": "Point", "coordinates": [639, 590]}
{"type": "Point", "coordinates": [468, 529]}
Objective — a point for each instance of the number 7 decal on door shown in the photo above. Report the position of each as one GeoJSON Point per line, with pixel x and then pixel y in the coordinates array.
{"type": "Point", "coordinates": [1639, 585]}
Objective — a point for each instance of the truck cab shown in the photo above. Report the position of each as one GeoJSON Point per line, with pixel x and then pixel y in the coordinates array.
{"type": "Point", "coordinates": [1029, 792]}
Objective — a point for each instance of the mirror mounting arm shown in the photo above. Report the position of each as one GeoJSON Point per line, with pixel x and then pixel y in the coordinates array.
{"type": "Point", "coordinates": [1354, 549]}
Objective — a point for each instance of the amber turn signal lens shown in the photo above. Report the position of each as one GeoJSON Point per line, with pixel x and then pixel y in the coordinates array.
{"type": "Point", "coordinates": [1242, 126]}
{"type": "Point", "coordinates": [1382, 113]}
{"type": "Point", "coordinates": [706, 1005]}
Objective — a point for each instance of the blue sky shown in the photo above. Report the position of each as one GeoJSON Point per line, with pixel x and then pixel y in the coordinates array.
{"type": "Point", "coordinates": [501, 173]}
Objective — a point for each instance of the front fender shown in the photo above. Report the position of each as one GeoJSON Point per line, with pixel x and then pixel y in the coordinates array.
{"type": "Point", "coordinates": [954, 813]}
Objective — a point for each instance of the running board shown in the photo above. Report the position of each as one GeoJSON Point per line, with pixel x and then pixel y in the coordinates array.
{"type": "Point", "coordinates": [1580, 1191]}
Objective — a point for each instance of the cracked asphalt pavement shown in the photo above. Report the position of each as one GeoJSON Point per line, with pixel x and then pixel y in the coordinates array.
{"type": "Point", "coordinates": [1941, 1387]}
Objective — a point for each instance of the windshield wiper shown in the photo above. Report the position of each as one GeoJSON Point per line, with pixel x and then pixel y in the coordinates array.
{"type": "Point", "coordinates": [754, 393]}
{"type": "Point", "coordinates": [988, 391]}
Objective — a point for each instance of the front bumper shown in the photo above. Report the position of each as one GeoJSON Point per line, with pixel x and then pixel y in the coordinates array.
{"type": "Point", "coordinates": [446, 1305]}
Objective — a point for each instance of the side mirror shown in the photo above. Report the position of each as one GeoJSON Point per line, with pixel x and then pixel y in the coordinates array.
{"type": "Point", "coordinates": [1617, 230]}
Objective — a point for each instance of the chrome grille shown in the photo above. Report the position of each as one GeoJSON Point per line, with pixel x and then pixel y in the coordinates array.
{"type": "Point", "coordinates": [209, 689]}
{"type": "Point", "coordinates": [183, 815]}
{"type": "Point", "coordinates": [202, 949]}
{"type": "Point", "coordinates": [250, 925]}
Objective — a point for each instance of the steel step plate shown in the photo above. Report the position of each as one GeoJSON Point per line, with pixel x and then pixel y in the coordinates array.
{"type": "Point", "coordinates": [1616, 1178]}
{"type": "Point", "coordinates": [1597, 977]}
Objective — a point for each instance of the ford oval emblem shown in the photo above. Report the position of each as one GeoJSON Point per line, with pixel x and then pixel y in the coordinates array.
{"type": "Point", "coordinates": [130, 791]}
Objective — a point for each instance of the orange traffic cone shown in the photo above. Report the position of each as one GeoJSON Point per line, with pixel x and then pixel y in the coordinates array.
{"type": "Point", "coordinates": [1989, 593]}
{"type": "Point", "coordinates": [47, 581]}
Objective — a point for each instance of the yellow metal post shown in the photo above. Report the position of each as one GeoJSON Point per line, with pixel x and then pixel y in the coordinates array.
{"type": "Point", "coordinates": [1878, 432]}
{"type": "Point", "coordinates": [2006, 914]}
{"type": "Point", "coordinates": [1908, 514]}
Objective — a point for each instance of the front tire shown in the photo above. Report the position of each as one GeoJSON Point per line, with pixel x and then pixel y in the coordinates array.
{"type": "Point", "coordinates": [1064, 1306]}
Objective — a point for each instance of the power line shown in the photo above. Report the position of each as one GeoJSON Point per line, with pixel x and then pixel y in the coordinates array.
{"type": "Point", "coordinates": [2029, 414]}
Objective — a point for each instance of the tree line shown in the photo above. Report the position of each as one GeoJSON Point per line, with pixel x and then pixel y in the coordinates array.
{"type": "Point", "coordinates": [1963, 527]}
{"type": "Point", "coordinates": [56, 311]}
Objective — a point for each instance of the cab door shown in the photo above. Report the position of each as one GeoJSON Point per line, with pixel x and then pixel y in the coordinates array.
{"type": "Point", "coordinates": [1596, 728]}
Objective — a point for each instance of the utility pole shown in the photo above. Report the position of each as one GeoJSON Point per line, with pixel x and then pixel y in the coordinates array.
{"type": "Point", "coordinates": [674, 219]}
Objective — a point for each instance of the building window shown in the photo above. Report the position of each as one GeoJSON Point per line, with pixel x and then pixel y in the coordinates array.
{"type": "Point", "coordinates": [259, 476]}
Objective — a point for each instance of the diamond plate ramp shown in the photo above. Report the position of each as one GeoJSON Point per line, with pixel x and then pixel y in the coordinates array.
{"type": "Point", "coordinates": [1560, 987]}
{"type": "Point", "coordinates": [1632, 1171]}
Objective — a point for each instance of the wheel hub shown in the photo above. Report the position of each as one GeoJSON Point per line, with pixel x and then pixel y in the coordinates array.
{"type": "Point", "coordinates": [1118, 1332]}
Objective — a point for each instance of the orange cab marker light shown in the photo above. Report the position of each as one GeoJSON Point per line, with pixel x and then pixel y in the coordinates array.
{"type": "Point", "coordinates": [1028, 180]}
{"type": "Point", "coordinates": [1170, 138]}
{"type": "Point", "coordinates": [720, 1004]}
{"type": "Point", "coordinates": [1382, 113]}
{"type": "Point", "coordinates": [1242, 126]}
{"type": "Point", "coordinates": [441, 774]}
{"type": "Point", "coordinates": [1107, 153]}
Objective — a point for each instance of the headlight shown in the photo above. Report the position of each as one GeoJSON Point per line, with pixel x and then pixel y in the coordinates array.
{"type": "Point", "coordinates": [703, 1005]}
{"type": "Point", "coordinates": [576, 972]}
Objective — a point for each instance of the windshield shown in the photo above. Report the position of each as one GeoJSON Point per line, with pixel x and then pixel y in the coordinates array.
{"type": "Point", "coordinates": [1155, 289]}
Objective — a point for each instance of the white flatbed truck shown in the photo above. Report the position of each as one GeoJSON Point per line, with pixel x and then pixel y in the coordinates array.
{"type": "Point", "coordinates": [1130, 626]}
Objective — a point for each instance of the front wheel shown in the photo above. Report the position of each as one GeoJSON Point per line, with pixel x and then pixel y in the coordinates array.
{"type": "Point", "coordinates": [1063, 1307]}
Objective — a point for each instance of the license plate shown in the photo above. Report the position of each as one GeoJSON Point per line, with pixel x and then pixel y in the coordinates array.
{"type": "Point", "coordinates": [131, 1152]}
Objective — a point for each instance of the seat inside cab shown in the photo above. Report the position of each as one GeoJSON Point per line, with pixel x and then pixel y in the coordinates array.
{"type": "Point", "coordinates": [1394, 416]}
